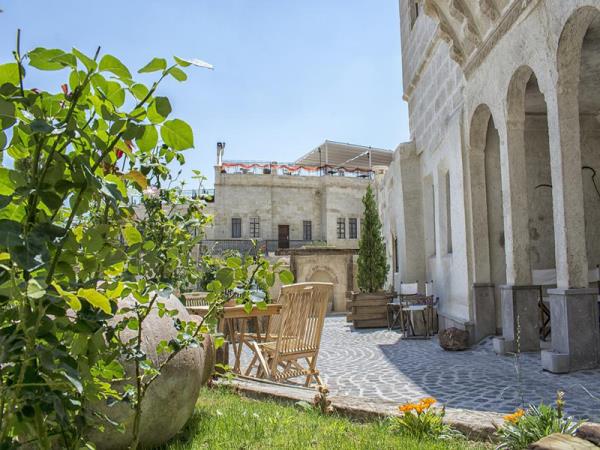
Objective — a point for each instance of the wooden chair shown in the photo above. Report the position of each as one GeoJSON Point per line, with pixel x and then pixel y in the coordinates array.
{"type": "Point", "coordinates": [195, 298]}
{"type": "Point", "coordinates": [296, 335]}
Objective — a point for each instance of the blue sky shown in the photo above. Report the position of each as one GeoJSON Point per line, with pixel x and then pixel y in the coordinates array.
{"type": "Point", "coordinates": [288, 74]}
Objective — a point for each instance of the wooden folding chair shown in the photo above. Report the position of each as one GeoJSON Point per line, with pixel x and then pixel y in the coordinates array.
{"type": "Point", "coordinates": [297, 334]}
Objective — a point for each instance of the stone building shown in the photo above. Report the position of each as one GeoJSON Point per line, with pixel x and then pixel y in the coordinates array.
{"type": "Point", "coordinates": [313, 204]}
{"type": "Point", "coordinates": [496, 197]}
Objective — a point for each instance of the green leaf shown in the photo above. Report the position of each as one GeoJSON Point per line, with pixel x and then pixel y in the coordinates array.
{"type": "Point", "coordinates": [9, 73]}
{"type": "Point", "coordinates": [70, 298]}
{"type": "Point", "coordinates": [159, 110]}
{"type": "Point", "coordinates": [177, 73]}
{"type": "Point", "coordinates": [148, 140]}
{"type": "Point", "coordinates": [45, 58]}
{"type": "Point", "coordinates": [132, 235]}
{"type": "Point", "coordinates": [109, 63]}
{"type": "Point", "coordinates": [8, 182]}
{"type": "Point", "coordinates": [41, 126]}
{"type": "Point", "coordinates": [34, 289]}
{"type": "Point", "coordinates": [7, 114]}
{"type": "Point", "coordinates": [177, 134]}
{"type": "Point", "coordinates": [138, 178]}
{"type": "Point", "coordinates": [149, 246]}
{"type": "Point", "coordinates": [225, 276]}
{"type": "Point", "coordinates": [154, 65]}
{"type": "Point", "coordinates": [248, 307]}
{"type": "Point", "coordinates": [286, 277]}
{"type": "Point", "coordinates": [10, 234]}
{"type": "Point", "coordinates": [115, 93]}
{"type": "Point", "coordinates": [89, 63]}
{"type": "Point", "coordinates": [184, 62]}
{"type": "Point", "coordinates": [234, 262]}
{"type": "Point", "coordinates": [139, 91]}
{"type": "Point", "coordinates": [95, 298]}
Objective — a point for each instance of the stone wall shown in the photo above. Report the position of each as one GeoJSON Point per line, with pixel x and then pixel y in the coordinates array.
{"type": "Point", "coordinates": [287, 200]}
{"type": "Point", "coordinates": [328, 265]}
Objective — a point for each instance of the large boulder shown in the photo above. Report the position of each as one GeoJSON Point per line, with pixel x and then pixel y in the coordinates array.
{"type": "Point", "coordinates": [170, 400]}
{"type": "Point", "coordinates": [589, 432]}
{"type": "Point", "coordinates": [453, 339]}
{"type": "Point", "coordinates": [559, 441]}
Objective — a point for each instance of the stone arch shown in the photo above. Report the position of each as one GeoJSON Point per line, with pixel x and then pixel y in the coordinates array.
{"type": "Point", "coordinates": [489, 267]}
{"type": "Point", "coordinates": [486, 196]}
{"type": "Point", "coordinates": [574, 245]}
{"type": "Point", "coordinates": [325, 274]}
{"type": "Point", "coordinates": [529, 149]}
{"type": "Point", "coordinates": [579, 97]}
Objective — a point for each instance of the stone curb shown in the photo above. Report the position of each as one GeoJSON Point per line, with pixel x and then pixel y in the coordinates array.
{"type": "Point", "coordinates": [475, 425]}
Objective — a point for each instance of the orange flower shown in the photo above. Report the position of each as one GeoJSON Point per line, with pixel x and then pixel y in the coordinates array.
{"type": "Point", "coordinates": [514, 417]}
{"type": "Point", "coordinates": [428, 401]}
{"type": "Point", "coordinates": [419, 408]}
{"type": "Point", "coordinates": [407, 407]}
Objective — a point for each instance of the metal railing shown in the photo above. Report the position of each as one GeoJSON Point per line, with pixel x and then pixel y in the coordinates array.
{"type": "Point", "coordinates": [250, 247]}
{"type": "Point", "coordinates": [206, 194]}
{"type": "Point", "coordinates": [291, 169]}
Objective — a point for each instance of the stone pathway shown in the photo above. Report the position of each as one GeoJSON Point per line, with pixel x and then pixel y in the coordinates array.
{"type": "Point", "coordinates": [377, 364]}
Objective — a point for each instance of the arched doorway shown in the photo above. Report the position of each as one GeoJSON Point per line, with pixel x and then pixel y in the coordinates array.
{"type": "Point", "coordinates": [322, 275]}
{"type": "Point", "coordinates": [489, 264]}
{"type": "Point", "coordinates": [589, 132]}
{"type": "Point", "coordinates": [575, 159]}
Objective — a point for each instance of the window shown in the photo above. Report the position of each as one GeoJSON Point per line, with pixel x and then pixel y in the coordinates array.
{"type": "Point", "coordinates": [341, 228]}
{"type": "Point", "coordinates": [236, 227]}
{"type": "Point", "coordinates": [254, 227]}
{"type": "Point", "coordinates": [414, 12]}
{"type": "Point", "coordinates": [353, 228]}
{"type": "Point", "coordinates": [448, 215]}
{"type": "Point", "coordinates": [307, 230]}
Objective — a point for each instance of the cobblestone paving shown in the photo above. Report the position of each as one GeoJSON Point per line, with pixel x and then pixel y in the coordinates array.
{"type": "Point", "coordinates": [378, 364]}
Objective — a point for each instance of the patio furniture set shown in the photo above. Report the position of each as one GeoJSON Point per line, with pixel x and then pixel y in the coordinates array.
{"type": "Point", "coordinates": [285, 337]}
{"type": "Point", "coordinates": [409, 306]}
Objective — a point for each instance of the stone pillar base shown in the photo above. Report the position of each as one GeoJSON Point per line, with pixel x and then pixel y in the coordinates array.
{"type": "Point", "coordinates": [484, 310]}
{"type": "Point", "coordinates": [575, 330]}
{"type": "Point", "coordinates": [502, 346]}
{"type": "Point", "coordinates": [555, 362]}
{"type": "Point", "coordinates": [520, 317]}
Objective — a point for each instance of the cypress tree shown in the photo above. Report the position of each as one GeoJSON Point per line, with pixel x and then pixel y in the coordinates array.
{"type": "Point", "coordinates": [372, 264]}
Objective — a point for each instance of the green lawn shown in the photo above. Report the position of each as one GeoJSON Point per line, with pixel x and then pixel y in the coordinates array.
{"type": "Point", "coordinates": [225, 420]}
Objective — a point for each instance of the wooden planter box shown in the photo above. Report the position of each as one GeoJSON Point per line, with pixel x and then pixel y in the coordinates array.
{"type": "Point", "coordinates": [369, 310]}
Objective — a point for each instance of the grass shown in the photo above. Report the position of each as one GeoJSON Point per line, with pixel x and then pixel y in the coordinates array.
{"type": "Point", "coordinates": [226, 420]}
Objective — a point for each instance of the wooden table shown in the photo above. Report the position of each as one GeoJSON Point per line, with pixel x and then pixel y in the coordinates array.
{"type": "Point", "coordinates": [234, 321]}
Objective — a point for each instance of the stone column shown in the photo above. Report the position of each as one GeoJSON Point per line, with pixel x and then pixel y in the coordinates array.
{"type": "Point", "coordinates": [520, 318]}
{"type": "Point", "coordinates": [519, 299]}
{"type": "Point", "coordinates": [484, 310]}
{"type": "Point", "coordinates": [567, 189]}
{"type": "Point", "coordinates": [575, 332]}
{"type": "Point", "coordinates": [573, 307]}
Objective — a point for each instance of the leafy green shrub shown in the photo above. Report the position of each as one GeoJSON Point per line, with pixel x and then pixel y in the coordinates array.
{"type": "Point", "coordinates": [372, 263]}
{"type": "Point", "coordinates": [72, 246]}
{"type": "Point", "coordinates": [421, 421]}
{"type": "Point", "coordinates": [523, 428]}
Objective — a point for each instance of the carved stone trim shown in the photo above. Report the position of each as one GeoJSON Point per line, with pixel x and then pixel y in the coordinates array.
{"type": "Point", "coordinates": [507, 21]}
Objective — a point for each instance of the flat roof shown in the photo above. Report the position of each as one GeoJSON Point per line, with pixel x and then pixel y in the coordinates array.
{"type": "Point", "coordinates": [339, 154]}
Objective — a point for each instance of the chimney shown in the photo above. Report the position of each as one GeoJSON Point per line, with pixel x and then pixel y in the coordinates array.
{"type": "Point", "coordinates": [220, 152]}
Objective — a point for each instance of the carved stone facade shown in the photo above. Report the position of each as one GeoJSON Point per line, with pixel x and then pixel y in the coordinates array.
{"type": "Point", "coordinates": [496, 197]}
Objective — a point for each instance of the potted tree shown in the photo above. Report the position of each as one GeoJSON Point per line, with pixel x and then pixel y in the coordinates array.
{"type": "Point", "coordinates": [369, 306]}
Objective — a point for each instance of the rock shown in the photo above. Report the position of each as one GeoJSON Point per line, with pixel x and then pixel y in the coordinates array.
{"type": "Point", "coordinates": [454, 339]}
{"type": "Point", "coordinates": [589, 432]}
{"type": "Point", "coordinates": [170, 400]}
{"type": "Point", "coordinates": [559, 441]}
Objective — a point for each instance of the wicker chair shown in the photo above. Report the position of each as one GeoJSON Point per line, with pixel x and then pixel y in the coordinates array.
{"type": "Point", "coordinates": [296, 336]}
